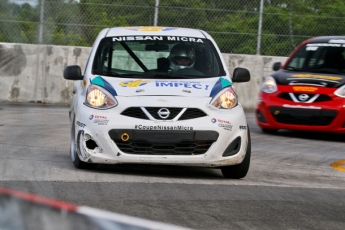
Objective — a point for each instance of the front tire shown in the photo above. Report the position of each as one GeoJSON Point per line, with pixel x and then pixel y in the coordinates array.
{"type": "Point", "coordinates": [74, 151]}
{"type": "Point", "coordinates": [239, 171]}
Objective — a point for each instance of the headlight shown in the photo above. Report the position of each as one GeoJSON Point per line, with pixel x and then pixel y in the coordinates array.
{"type": "Point", "coordinates": [340, 92]}
{"type": "Point", "coordinates": [99, 98]}
{"type": "Point", "coordinates": [225, 99]}
{"type": "Point", "coordinates": [269, 85]}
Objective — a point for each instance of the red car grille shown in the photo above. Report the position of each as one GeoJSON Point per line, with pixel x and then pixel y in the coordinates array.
{"type": "Point", "coordinates": [320, 98]}
{"type": "Point", "coordinates": [315, 117]}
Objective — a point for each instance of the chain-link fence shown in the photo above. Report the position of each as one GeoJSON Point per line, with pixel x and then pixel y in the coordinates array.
{"type": "Point", "coordinates": [266, 27]}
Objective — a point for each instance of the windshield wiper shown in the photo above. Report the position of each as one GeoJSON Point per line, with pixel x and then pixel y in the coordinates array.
{"type": "Point", "coordinates": [107, 73]}
{"type": "Point", "coordinates": [171, 75]}
{"type": "Point", "coordinates": [291, 68]}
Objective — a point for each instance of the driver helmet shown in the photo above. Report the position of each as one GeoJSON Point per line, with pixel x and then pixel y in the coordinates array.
{"type": "Point", "coordinates": [182, 56]}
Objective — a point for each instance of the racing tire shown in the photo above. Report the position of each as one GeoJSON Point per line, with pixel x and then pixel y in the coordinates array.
{"type": "Point", "coordinates": [270, 131]}
{"type": "Point", "coordinates": [79, 164]}
{"type": "Point", "coordinates": [239, 171]}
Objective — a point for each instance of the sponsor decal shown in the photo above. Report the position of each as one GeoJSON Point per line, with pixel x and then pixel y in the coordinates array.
{"type": "Point", "coordinates": [243, 127]}
{"type": "Point", "coordinates": [82, 125]}
{"type": "Point", "coordinates": [222, 123]}
{"type": "Point", "coordinates": [97, 116]}
{"type": "Point", "coordinates": [225, 126]}
{"type": "Point", "coordinates": [100, 120]}
{"type": "Point", "coordinates": [133, 84]}
{"type": "Point", "coordinates": [312, 48]}
{"type": "Point", "coordinates": [304, 88]}
{"type": "Point", "coordinates": [324, 44]}
{"type": "Point", "coordinates": [301, 106]}
{"type": "Point", "coordinates": [163, 127]}
{"type": "Point", "coordinates": [214, 120]}
{"type": "Point", "coordinates": [181, 84]}
{"type": "Point", "coordinates": [314, 76]}
{"type": "Point", "coordinates": [150, 28]}
{"type": "Point", "coordinates": [157, 38]}
{"type": "Point", "coordinates": [336, 41]}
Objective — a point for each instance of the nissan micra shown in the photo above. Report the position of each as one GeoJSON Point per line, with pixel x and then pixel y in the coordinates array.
{"type": "Point", "coordinates": [307, 92]}
{"type": "Point", "coordinates": [158, 95]}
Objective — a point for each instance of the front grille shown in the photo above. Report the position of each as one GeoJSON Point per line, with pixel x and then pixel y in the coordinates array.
{"type": "Point", "coordinates": [189, 113]}
{"type": "Point", "coordinates": [320, 98]}
{"type": "Point", "coordinates": [173, 142]}
{"type": "Point", "coordinates": [154, 112]}
{"type": "Point", "coordinates": [183, 148]}
{"type": "Point", "coordinates": [315, 117]}
{"type": "Point", "coordinates": [135, 112]}
{"type": "Point", "coordinates": [192, 113]}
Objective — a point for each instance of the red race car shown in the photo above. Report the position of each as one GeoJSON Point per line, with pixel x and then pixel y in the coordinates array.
{"type": "Point", "coordinates": [307, 92]}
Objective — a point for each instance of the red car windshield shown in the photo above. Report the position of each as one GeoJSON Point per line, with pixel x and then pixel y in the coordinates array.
{"type": "Point", "coordinates": [319, 58]}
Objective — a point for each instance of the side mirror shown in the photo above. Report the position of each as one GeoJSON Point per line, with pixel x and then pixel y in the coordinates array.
{"type": "Point", "coordinates": [73, 72]}
{"type": "Point", "coordinates": [276, 66]}
{"type": "Point", "coordinates": [241, 75]}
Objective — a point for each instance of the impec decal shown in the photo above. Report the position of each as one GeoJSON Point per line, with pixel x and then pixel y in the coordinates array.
{"type": "Point", "coordinates": [181, 84]}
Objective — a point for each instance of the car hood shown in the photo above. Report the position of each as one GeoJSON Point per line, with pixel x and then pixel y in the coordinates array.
{"type": "Point", "coordinates": [284, 77]}
{"type": "Point", "coordinates": [206, 87]}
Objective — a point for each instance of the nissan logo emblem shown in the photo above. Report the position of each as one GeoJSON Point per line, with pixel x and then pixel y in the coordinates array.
{"type": "Point", "coordinates": [163, 113]}
{"type": "Point", "coordinates": [303, 97]}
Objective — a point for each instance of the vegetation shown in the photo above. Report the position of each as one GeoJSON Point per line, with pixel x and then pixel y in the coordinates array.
{"type": "Point", "coordinates": [233, 24]}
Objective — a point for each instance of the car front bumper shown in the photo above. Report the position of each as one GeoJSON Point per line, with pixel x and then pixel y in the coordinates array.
{"type": "Point", "coordinates": [218, 139]}
{"type": "Point", "coordinates": [273, 112]}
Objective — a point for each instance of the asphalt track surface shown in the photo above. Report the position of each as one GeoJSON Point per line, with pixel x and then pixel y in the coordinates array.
{"type": "Point", "coordinates": [290, 185]}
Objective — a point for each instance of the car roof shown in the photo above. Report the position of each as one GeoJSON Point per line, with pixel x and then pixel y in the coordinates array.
{"type": "Point", "coordinates": [326, 39]}
{"type": "Point", "coordinates": [155, 30]}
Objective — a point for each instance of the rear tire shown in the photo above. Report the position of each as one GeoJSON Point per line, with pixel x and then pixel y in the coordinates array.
{"type": "Point", "coordinates": [74, 151]}
{"type": "Point", "coordinates": [239, 171]}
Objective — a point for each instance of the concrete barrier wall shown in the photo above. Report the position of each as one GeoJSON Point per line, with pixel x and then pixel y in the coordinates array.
{"type": "Point", "coordinates": [34, 73]}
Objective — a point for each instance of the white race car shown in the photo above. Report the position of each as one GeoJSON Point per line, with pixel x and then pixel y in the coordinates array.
{"type": "Point", "coordinates": [158, 95]}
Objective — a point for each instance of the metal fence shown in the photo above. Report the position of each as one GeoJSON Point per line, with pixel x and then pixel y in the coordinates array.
{"type": "Point", "coordinates": [266, 27]}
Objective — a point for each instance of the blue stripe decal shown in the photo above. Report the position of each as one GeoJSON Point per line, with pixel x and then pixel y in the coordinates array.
{"type": "Point", "coordinates": [98, 81]}
{"type": "Point", "coordinates": [101, 82]}
{"type": "Point", "coordinates": [109, 88]}
{"type": "Point", "coordinates": [220, 84]}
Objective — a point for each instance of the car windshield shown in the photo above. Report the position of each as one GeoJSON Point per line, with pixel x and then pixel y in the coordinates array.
{"type": "Point", "coordinates": [319, 58]}
{"type": "Point", "coordinates": [157, 57]}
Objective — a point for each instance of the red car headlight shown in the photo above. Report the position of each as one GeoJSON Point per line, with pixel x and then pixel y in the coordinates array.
{"type": "Point", "coordinates": [340, 92]}
{"type": "Point", "coordinates": [269, 85]}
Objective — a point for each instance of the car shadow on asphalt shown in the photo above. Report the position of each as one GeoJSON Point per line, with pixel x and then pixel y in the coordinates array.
{"type": "Point", "coordinates": [309, 135]}
{"type": "Point", "coordinates": [163, 171]}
